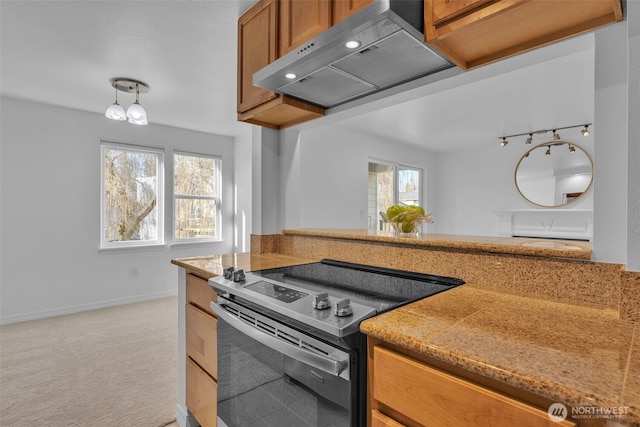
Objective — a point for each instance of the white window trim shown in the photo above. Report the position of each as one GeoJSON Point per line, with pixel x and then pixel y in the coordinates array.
{"type": "Point", "coordinates": [398, 166]}
{"type": "Point", "coordinates": [120, 246]}
{"type": "Point", "coordinates": [218, 200]}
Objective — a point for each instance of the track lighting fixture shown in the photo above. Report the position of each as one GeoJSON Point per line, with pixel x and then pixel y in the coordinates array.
{"type": "Point", "coordinates": [572, 149]}
{"type": "Point", "coordinates": [548, 152]}
{"type": "Point", "coordinates": [556, 136]}
{"type": "Point", "coordinates": [135, 114]}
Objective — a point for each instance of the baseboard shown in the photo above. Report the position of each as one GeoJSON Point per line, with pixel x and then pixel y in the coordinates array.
{"type": "Point", "coordinates": [34, 315]}
{"type": "Point", "coordinates": [184, 418]}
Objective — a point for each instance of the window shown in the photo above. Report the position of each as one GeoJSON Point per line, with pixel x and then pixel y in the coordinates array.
{"type": "Point", "coordinates": [131, 196]}
{"type": "Point", "coordinates": [196, 180]}
{"type": "Point", "coordinates": [391, 184]}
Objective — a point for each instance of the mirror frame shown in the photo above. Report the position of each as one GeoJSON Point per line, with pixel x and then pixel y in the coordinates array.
{"type": "Point", "coordinates": [547, 144]}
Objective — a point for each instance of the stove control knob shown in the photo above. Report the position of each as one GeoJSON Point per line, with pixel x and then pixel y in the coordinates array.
{"type": "Point", "coordinates": [343, 308]}
{"type": "Point", "coordinates": [321, 301]}
{"type": "Point", "coordinates": [228, 273]}
{"type": "Point", "coordinates": [238, 276]}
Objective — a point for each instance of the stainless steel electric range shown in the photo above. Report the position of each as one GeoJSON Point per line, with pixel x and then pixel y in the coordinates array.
{"type": "Point", "coordinates": [289, 347]}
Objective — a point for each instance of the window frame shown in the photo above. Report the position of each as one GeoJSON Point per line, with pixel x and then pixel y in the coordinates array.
{"type": "Point", "coordinates": [396, 177]}
{"type": "Point", "coordinates": [160, 167]}
{"type": "Point", "coordinates": [217, 199]}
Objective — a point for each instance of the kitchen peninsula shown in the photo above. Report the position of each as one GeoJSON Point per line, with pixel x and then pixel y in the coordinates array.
{"type": "Point", "coordinates": [536, 322]}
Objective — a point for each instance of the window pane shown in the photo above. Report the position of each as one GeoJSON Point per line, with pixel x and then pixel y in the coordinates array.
{"type": "Point", "coordinates": [194, 175]}
{"type": "Point", "coordinates": [130, 195]}
{"type": "Point", "coordinates": [196, 195]}
{"type": "Point", "coordinates": [195, 218]}
{"type": "Point", "coordinates": [381, 192]}
{"type": "Point", "coordinates": [408, 186]}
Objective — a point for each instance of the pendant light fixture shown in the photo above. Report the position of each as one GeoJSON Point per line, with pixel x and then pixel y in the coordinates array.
{"type": "Point", "coordinates": [115, 110]}
{"type": "Point", "coordinates": [135, 114]}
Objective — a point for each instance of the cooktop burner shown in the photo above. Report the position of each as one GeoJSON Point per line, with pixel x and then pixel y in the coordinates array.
{"type": "Point", "coordinates": [333, 296]}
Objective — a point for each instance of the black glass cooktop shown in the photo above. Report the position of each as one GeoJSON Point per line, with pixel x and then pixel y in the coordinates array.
{"type": "Point", "coordinates": [375, 287]}
{"type": "Point", "coordinates": [278, 292]}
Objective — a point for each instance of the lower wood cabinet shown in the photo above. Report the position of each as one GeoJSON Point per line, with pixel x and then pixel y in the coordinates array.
{"type": "Point", "coordinates": [201, 348]}
{"type": "Point", "coordinates": [201, 395]}
{"type": "Point", "coordinates": [405, 391]}
{"type": "Point", "coordinates": [378, 419]}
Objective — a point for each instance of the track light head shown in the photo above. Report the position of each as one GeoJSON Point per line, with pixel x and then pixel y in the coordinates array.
{"type": "Point", "coordinates": [504, 142]}
{"type": "Point", "coordinates": [572, 149]}
{"type": "Point", "coordinates": [556, 136]}
{"type": "Point", "coordinates": [585, 131]}
{"type": "Point", "coordinates": [529, 140]}
{"type": "Point", "coordinates": [548, 152]}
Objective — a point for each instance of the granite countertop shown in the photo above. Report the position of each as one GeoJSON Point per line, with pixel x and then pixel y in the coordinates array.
{"type": "Point", "coordinates": [490, 244]}
{"type": "Point", "coordinates": [212, 265]}
{"type": "Point", "coordinates": [574, 355]}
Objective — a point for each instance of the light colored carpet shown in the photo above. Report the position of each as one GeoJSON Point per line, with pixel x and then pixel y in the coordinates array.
{"type": "Point", "coordinates": [110, 367]}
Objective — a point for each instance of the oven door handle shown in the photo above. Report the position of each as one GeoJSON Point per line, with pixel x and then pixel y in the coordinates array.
{"type": "Point", "coordinates": [326, 364]}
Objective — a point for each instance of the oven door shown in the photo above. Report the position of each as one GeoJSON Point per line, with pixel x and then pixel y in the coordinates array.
{"type": "Point", "coordinates": [272, 375]}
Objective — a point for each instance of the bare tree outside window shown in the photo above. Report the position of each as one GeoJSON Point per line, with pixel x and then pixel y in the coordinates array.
{"type": "Point", "coordinates": [130, 195]}
{"type": "Point", "coordinates": [196, 194]}
{"type": "Point", "coordinates": [391, 184]}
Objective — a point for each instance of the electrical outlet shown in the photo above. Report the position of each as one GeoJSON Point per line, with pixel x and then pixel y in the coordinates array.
{"type": "Point", "coordinates": [133, 272]}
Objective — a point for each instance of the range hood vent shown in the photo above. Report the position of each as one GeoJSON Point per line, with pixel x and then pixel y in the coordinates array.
{"type": "Point", "coordinates": [328, 73]}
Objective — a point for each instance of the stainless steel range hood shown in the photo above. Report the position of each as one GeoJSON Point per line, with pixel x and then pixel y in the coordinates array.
{"type": "Point", "coordinates": [328, 73]}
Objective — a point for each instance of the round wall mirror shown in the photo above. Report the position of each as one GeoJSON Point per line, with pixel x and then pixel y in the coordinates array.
{"type": "Point", "coordinates": [554, 174]}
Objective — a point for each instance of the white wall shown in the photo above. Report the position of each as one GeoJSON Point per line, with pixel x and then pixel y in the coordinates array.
{"type": "Point", "coordinates": [611, 129]}
{"type": "Point", "coordinates": [475, 183]}
{"type": "Point", "coordinates": [328, 185]}
{"type": "Point", "coordinates": [50, 196]}
{"type": "Point", "coordinates": [633, 192]}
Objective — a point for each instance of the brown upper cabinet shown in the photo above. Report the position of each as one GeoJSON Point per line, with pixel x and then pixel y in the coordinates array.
{"type": "Point", "coordinates": [472, 33]}
{"type": "Point", "coordinates": [344, 8]}
{"type": "Point", "coordinates": [269, 30]}
{"type": "Point", "coordinates": [257, 48]}
{"type": "Point", "coordinates": [301, 20]}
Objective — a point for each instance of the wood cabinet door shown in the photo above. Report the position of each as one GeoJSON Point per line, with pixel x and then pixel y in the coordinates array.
{"type": "Point", "coordinates": [344, 8]}
{"type": "Point", "coordinates": [444, 10]}
{"type": "Point", "coordinates": [378, 419]}
{"type": "Point", "coordinates": [257, 48]}
{"type": "Point", "coordinates": [301, 20]}
{"type": "Point", "coordinates": [201, 395]}
{"type": "Point", "coordinates": [202, 339]}
{"type": "Point", "coordinates": [434, 398]}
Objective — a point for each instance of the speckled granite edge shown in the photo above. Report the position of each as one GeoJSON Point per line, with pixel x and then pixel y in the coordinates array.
{"type": "Point", "coordinates": [503, 245]}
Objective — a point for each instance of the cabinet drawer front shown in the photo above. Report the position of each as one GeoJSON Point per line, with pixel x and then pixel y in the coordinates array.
{"type": "Point", "coordinates": [434, 398]}
{"type": "Point", "coordinates": [201, 339]}
{"type": "Point", "coordinates": [202, 395]}
{"type": "Point", "coordinates": [379, 419]}
{"type": "Point", "coordinates": [200, 293]}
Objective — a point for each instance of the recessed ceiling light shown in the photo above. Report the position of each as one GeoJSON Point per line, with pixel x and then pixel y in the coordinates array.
{"type": "Point", "coordinates": [290, 76]}
{"type": "Point", "coordinates": [352, 44]}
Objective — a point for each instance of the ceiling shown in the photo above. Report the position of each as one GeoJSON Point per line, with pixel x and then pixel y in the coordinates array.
{"type": "Point", "coordinates": [65, 53]}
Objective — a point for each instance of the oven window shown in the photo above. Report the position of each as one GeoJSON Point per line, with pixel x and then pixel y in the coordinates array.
{"type": "Point", "coordinates": [258, 386]}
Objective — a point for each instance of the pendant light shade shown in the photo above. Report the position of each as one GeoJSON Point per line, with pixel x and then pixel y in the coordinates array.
{"type": "Point", "coordinates": [135, 114]}
{"type": "Point", "coordinates": [115, 111]}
